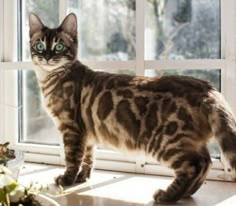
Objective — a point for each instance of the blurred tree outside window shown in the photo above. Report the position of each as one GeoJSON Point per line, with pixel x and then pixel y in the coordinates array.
{"type": "Point", "coordinates": [182, 29]}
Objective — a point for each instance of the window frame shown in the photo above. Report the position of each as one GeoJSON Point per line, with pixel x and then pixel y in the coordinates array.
{"type": "Point", "coordinates": [1, 72]}
{"type": "Point", "coordinates": [113, 161]}
{"type": "Point", "coordinates": [1, 30]}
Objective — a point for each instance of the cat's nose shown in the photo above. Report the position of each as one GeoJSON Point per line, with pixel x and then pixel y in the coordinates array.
{"type": "Point", "coordinates": [47, 57]}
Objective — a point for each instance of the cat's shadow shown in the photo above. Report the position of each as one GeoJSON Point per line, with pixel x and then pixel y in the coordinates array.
{"type": "Point", "coordinates": [88, 200]}
{"type": "Point", "coordinates": [183, 202]}
{"type": "Point", "coordinates": [81, 193]}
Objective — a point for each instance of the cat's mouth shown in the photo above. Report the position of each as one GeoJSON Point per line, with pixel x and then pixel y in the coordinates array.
{"type": "Point", "coordinates": [49, 62]}
{"type": "Point", "coordinates": [47, 65]}
{"type": "Point", "coordinates": [52, 64]}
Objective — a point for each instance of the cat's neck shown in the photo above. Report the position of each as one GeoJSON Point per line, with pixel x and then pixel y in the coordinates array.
{"type": "Point", "coordinates": [75, 72]}
{"type": "Point", "coordinates": [49, 80]}
{"type": "Point", "coordinates": [43, 74]}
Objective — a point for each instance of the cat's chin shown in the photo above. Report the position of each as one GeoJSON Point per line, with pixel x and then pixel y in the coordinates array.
{"type": "Point", "coordinates": [50, 68]}
{"type": "Point", "coordinates": [47, 66]}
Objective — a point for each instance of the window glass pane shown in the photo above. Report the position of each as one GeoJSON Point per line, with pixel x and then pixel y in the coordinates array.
{"type": "Point", "coordinates": [182, 29]}
{"type": "Point", "coordinates": [211, 75]}
{"type": "Point", "coordinates": [37, 125]}
{"type": "Point", "coordinates": [106, 29]}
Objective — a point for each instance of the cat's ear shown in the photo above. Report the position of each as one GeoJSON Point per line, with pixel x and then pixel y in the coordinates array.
{"type": "Point", "coordinates": [6, 144]}
{"type": "Point", "coordinates": [69, 25]}
{"type": "Point", "coordinates": [35, 24]}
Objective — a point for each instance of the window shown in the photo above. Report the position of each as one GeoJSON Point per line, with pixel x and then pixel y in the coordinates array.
{"type": "Point", "coordinates": [139, 37]}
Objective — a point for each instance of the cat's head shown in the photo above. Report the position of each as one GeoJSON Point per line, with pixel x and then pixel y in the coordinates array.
{"type": "Point", "coordinates": [53, 48]}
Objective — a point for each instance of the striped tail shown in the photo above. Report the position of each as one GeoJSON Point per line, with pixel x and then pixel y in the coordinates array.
{"type": "Point", "coordinates": [223, 125]}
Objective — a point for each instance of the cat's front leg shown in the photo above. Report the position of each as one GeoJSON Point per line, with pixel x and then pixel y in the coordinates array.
{"type": "Point", "coordinates": [74, 151]}
{"type": "Point", "coordinates": [87, 165]}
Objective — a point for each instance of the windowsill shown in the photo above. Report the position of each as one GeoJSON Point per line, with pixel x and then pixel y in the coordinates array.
{"type": "Point", "coordinates": [123, 189]}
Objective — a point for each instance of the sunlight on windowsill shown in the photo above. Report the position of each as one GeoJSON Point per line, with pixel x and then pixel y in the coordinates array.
{"type": "Point", "coordinates": [123, 189]}
{"type": "Point", "coordinates": [228, 202]}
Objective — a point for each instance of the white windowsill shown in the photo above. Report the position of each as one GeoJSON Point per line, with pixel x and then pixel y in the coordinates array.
{"type": "Point", "coordinates": [124, 189]}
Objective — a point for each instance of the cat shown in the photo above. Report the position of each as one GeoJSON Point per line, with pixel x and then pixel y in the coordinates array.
{"type": "Point", "coordinates": [170, 118]}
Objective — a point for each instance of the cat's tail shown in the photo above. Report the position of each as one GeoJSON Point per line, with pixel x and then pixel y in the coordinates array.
{"type": "Point", "coordinates": [223, 125]}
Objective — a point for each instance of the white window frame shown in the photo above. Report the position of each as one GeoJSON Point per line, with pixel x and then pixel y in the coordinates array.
{"type": "Point", "coordinates": [106, 159]}
{"type": "Point", "coordinates": [1, 72]}
{"type": "Point", "coordinates": [1, 31]}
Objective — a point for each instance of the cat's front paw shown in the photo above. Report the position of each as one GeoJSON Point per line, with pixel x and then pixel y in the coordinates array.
{"type": "Point", "coordinates": [83, 176]}
{"type": "Point", "coordinates": [64, 180]}
{"type": "Point", "coordinates": [161, 196]}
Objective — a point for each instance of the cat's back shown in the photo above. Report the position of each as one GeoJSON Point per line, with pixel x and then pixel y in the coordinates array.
{"type": "Point", "coordinates": [175, 84]}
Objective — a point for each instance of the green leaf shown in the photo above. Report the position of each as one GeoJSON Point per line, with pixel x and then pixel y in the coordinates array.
{"type": "Point", "coordinates": [9, 188]}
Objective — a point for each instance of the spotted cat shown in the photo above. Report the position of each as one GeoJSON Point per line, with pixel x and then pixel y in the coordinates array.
{"type": "Point", "coordinates": [169, 118]}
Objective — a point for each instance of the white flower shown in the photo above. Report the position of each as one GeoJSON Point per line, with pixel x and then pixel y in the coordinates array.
{"type": "Point", "coordinates": [5, 178]}
{"type": "Point", "coordinates": [17, 194]}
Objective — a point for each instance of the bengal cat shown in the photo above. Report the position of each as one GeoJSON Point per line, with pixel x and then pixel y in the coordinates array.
{"type": "Point", "coordinates": [169, 118]}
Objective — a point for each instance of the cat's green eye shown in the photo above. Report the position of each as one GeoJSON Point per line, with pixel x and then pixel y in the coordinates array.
{"type": "Point", "coordinates": [59, 47]}
{"type": "Point", "coordinates": [40, 47]}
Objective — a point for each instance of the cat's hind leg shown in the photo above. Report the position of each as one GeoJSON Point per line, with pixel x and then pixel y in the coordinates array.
{"type": "Point", "coordinates": [87, 165]}
{"type": "Point", "coordinates": [201, 176]}
{"type": "Point", "coordinates": [189, 168]}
